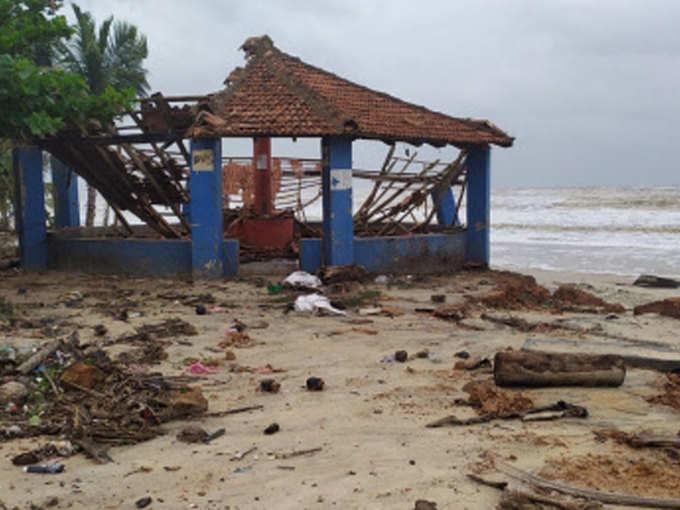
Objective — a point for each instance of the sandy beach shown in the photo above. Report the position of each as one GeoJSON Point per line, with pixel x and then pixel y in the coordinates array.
{"type": "Point", "coordinates": [366, 430]}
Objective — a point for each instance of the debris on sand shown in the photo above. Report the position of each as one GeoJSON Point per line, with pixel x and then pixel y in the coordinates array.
{"type": "Point", "coordinates": [671, 393]}
{"type": "Point", "coordinates": [669, 307]}
{"type": "Point", "coordinates": [567, 296]}
{"type": "Point", "coordinates": [486, 397]}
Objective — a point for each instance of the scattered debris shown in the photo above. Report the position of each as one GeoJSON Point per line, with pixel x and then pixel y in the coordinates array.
{"type": "Point", "coordinates": [214, 435]}
{"type": "Point", "coordinates": [240, 456]}
{"type": "Point", "coordinates": [669, 307]}
{"type": "Point", "coordinates": [315, 303]}
{"type": "Point", "coordinates": [45, 468]}
{"type": "Point", "coordinates": [555, 411]}
{"type": "Point", "coordinates": [192, 434]}
{"type": "Point", "coordinates": [199, 368]}
{"type": "Point", "coordinates": [423, 504]}
{"type": "Point", "coordinates": [302, 280]}
{"type": "Point", "coordinates": [315, 384]}
{"type": "Point", "coordinates": [488, 398]}
{"type": "Point", "coordinates": [272, 429]}
{"type": "Point", "coordinates": [269, 386]}
{"type": "Point", "coordinates": [337, 274]}
{"type": "Point", "coordinates": [143, 502]}
{"type": "Point", "coordinates": [401, 356]}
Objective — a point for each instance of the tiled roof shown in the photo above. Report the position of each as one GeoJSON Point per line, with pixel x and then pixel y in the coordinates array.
{"type": "Point", "coordinates": [279, 95]}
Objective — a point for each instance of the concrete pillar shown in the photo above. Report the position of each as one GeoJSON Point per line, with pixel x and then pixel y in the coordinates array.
{"type": "Point", "coordinates": [338, 227]}
{"type": "Point", "coordinates": [446, 212]}
{"type": "Point", "coordinates": [30, 207]}
{"type": "Point", "coordinates": [478, 204]}
{"type": "Point", "coordinates": [262, 157]}
{"type": "Point", "coordinates": [207, 233]}
{"type": "Point", "coordinates": [67, 207]}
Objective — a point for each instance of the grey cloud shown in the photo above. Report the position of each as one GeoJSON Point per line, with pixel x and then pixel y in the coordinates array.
{"type": "Point", "coordinates": [588, 88]}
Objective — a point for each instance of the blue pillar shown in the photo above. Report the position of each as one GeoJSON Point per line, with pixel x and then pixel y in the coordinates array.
{"type": "Point", "coordinates": [65, 182]}
{"type": "Point", "coordinates": [207, 233]}
{"type": "Point", "coordinates": [478, 204]}
{"type": "Point", "coordinates": [446, 212]}
{"type": "Point", "coordinates": [30, 207]}
{"type": "Point", "coordinates": [338, 227]}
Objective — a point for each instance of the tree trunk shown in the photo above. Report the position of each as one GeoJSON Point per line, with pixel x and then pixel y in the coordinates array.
{"type": "Point", "coordinates": [91, 206]}
{"type": "Point", "coordinates": [538, 369]}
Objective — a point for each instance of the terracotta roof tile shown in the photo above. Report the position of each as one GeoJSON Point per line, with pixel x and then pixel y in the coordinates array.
{"type": "Point", "coordinates": [279, 95]}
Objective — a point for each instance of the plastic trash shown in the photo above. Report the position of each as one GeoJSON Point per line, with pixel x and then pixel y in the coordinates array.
{"type": "Point", "coordinates": [199, 368]}
{"type": "Point", "coordinates": [315, 302]}
{"type": "Point", "coordinates": [45, 468]}
{"type": "Point", "coordinates": [274, 288]}
{"type": "Point", "coordinates": [302, 279]}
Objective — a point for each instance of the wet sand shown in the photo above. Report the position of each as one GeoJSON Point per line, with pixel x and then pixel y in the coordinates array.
{"type": "Point", "coordinates": [369, 422]}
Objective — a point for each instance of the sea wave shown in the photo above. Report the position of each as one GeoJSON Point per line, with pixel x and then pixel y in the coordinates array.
{"type": "Point", "coordinates": [632, 229]}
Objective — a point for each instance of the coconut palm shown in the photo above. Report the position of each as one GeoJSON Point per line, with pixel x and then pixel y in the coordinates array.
{"type": "Point", "coordinates": [112, 55]}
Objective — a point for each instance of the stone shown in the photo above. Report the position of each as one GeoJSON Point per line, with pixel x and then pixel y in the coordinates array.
{"type": "Point", "coordinates": [13, 392]}
{"type": "Point", "coordinates": [82, 375]}
{"type": "Point", "coordinates": [190, 402]}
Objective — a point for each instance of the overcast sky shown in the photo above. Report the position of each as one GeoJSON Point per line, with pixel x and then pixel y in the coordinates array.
{"type": "Point", "coordinates": [590, 89]}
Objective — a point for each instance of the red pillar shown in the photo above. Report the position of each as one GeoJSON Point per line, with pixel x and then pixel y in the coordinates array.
{"type": "Point", "coordinates": [262, 157]}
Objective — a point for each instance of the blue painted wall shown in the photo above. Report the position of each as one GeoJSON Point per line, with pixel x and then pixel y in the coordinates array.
{"type": "Point", "coordinates": [30, 207]}
{"type": "Point", "coordinates": [478, 204]}
{"type": "Point", "coordinates": [426, 253]}
{"type": "Point", "coordinates": [131, 257]}
{"type": "Point", "coordinates": [161, 258]}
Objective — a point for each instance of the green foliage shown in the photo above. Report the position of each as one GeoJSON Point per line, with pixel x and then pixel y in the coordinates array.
{"type": "Point", "coordinates": [30, 28]}
{"type": "Point", "coordinates": [37, 102]}
{"type": "Point", "coordinates": [109, 56]}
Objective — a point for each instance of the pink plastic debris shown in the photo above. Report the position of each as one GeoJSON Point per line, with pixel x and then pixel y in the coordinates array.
{"type": "Point", "coordinates": [199, 368]}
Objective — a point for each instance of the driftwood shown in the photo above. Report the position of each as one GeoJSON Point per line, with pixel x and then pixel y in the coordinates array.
{"type": "Point", "coordinates": [539, 369]}
{"type": "Point", "coordinates": [639, 440]}
{"type": "Point", "coordinates": [219, 414]}
{"type": "Point", "coordinates": [46, 350]}
{"type": "Point", "coordinates": [648, 280]}
{"type": "Point", "coordinates": [619, 348]}
{"type": "Point", "coordinates": [554, 411]}
{"type": "Point", "coordinates": [605, 497]}
{"type": "Point", "coordinates": [521, 500]}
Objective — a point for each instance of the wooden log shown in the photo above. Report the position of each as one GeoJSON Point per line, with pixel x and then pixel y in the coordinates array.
{"type": "Point", "coordinates": [605, 497]}
{"type": "Point", "coordinates": [648, 280]}
{"type": "Point", "coordinates": [539, 369]}
{"type": "Point", "coordinates": [45, 351]}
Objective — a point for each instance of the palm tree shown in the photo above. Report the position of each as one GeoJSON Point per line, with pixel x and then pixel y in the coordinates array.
{"type": "Point", "coordinates": [113, 56]}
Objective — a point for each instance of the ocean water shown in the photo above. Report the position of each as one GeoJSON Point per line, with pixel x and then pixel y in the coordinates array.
{"type": "Point", "coordinates": [625, 231]}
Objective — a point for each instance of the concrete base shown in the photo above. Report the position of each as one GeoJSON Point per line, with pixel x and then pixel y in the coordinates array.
{"type": "Point", "coordinates": [131, 257]}
{"type": "Point", "coordinates": [418, 254]}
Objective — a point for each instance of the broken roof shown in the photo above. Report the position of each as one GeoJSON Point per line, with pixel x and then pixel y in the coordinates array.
{"type": "Point", "coordinates": [277, 94]}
